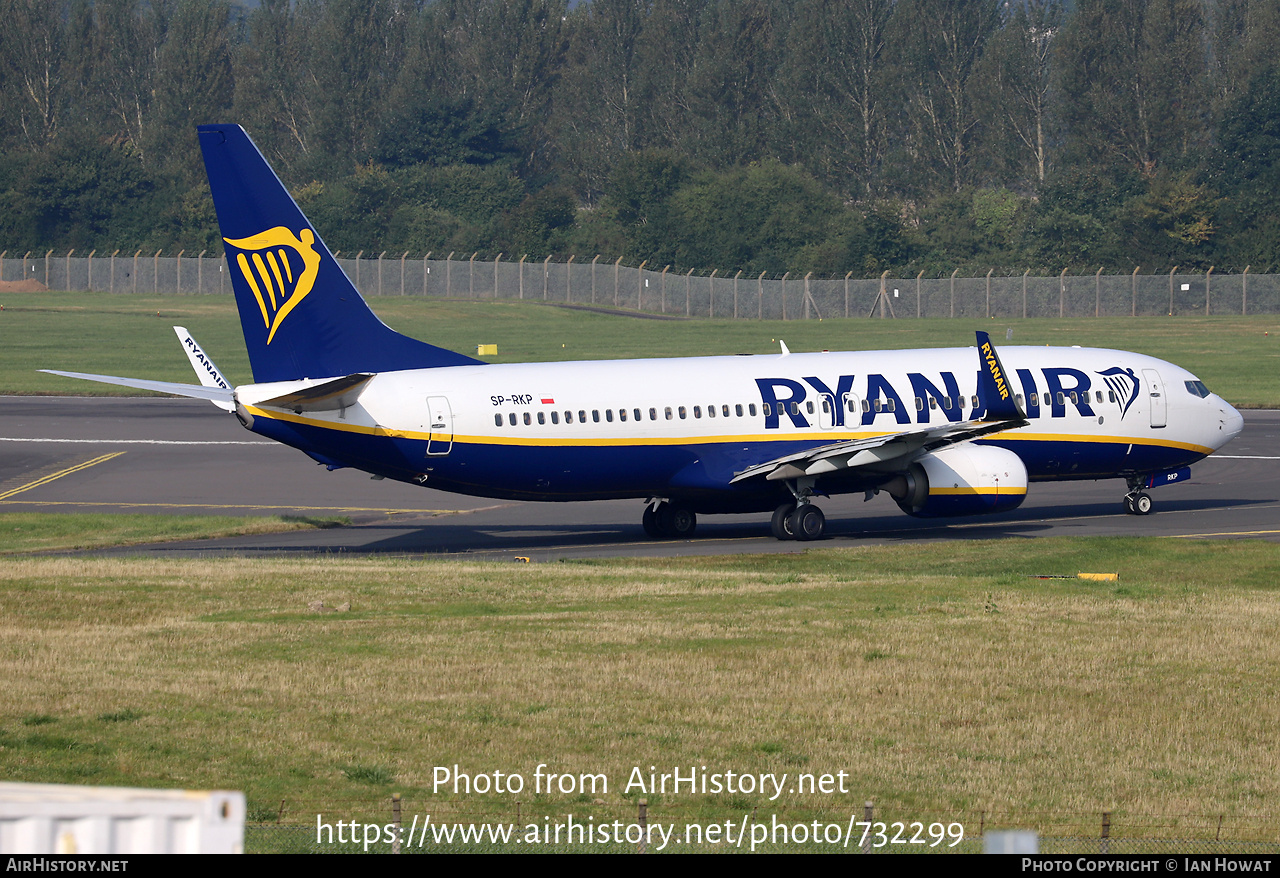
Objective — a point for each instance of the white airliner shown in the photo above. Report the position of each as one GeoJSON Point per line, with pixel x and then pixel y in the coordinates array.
{"type": "Point", "coordinates": [943, 432]}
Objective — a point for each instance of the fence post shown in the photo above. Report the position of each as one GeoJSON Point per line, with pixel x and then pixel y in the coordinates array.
{"type": "Point", "coordinates": [640, 285]}
{"type": "Point", "coordinates": [1207, 275]}
{"type": "Point", "coordinates": [760, 296]}
{"type": "Point", "coordinates": [616, 266]}
{"type": "Point", "coordinates": [687, 281]}
{"type": "Point", "coordinates": [200, 271]}
{"type": "Point", "coordinates": [1097, 293]}
{"type": "Point", "coordinates": [2, 252]}
{"type": "Point", "coordinates": [448, 274]}
{"type": "Point", "coordinates": [1244, 290]}
{"type": "Point", "coordinates": [68, 274]}
{"type": "Point", "coordinates": [403, 257]}
{"type": "Point", "coordinates": [1105, 844]}
{"type": "Point", "coordinates": [847, 275]}
{"type": "Point", "coordinates": [495, 275]}
{"type": "Point", "coordinates": [784, 294]}
{"type": "Point", "coordinates": [989, 270]}
{"type": "Point", "coordinates": [593, 278]}
{"type": "Point", "coordinates": [522, 259]}
{"type": "Point", "coordinates": [1171, 271]}
{"type": "Point", "coordinates": [46, 268]}
{"type": "Point", "coordinates": [395, 807]}
{"type": "Point", "coordinates": [1062, 293]}
{"type": "Point", "coordinates": [711, 293]}
{"type": "Point", "coordinates": [359, 253]}
{"type": "Point", "coordinates": [1133, 309]}
{"type": "Point", "coordinates": [918, 276]}
{"type": "Point", "coordinates": [426, 271]}
{"type": "Point", "coordinates": [735, 293]}
{"type": "Point", "coordinates": [868, 810]}
{"type": "Point", "coordinates": [179, 281]}
{"type": "Point", "coordinates": [1024, 293]}
{"type": "Point", "coordinates": [546, 276]}
{"type": "Point", "coordinates": [155, 273]}
{"type": "Point", "coordinates": [953, 291]}
{"type": "Point", "coordinates": [113, 271]}
{"type": "Point", "coordinates": [642, 817]}
{"type": "Point", "coordinates": [568, 279]}
{"type": "Point", "coordinates": [663, 283]}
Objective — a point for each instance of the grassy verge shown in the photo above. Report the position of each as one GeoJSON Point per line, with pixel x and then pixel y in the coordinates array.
{"type": "Point", "coordinates": [22, 532]}
{"type": "Point", "coordinates": [130, 335]}
{"type": "Point", "coordinates": [939, 678]}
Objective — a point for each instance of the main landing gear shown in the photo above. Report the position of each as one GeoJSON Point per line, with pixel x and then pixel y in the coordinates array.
{"type": "Point", "coordinates": [664, 520]}
{"type": "Point", "coordinates": [1137, 501]}
{"type": "Point", "coordinates": [799, 519]}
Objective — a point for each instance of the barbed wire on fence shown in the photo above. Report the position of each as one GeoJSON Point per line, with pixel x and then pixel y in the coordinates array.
{"type": "Point", "coordinates": [715, 293]}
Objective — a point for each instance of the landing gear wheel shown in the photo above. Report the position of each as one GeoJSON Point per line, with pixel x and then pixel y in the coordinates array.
{"type": "Point", "coordinates": [1142, 503]}
{"type": "Point", "coordinates": [677, 521]}
{"type": "Point", "coordinates": [651, 525]}
{"type": "Point", "coordinates": [807, 522]}
{"type": "Point", "coordinates": [781, 523]}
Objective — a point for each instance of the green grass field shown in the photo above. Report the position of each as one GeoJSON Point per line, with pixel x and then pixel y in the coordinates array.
{"type": "Point", "coordinates": [939, 677]}
{"type": "Point", "coordinates": [130, 335]}
{"type": "Point", "coordinates": [25, 532]}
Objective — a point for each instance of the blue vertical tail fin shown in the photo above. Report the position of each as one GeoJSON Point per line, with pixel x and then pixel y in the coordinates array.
{"type": "Point", "coordinates": [302, 317]}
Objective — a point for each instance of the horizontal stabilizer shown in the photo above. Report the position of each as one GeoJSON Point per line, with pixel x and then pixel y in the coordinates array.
{"type": "Point", "coordinates": [220, 396]}
{"type": "Point", "coordinates": [328, 396]}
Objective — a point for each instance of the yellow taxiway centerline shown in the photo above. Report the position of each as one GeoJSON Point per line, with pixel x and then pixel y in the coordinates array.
{"type": "Point", "coordinates": [44, 480]}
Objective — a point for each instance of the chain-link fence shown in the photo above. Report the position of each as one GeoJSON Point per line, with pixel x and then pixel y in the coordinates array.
{"type": "Point", "coordinates": [600, 283]}
{"type": "Point", "coordinates": [408, 826]}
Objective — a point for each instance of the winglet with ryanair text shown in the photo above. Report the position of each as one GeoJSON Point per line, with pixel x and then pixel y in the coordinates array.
{"type": "Point", "coordinates": [302, 317]}
{"type": "Point", "coordinates": [997, 394]}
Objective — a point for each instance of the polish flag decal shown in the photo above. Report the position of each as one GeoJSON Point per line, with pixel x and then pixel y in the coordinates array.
{"type": "Point", "coordinates": [548, 402]}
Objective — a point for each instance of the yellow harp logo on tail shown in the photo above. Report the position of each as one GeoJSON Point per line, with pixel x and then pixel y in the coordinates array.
{"type": "Point", "coordinates": [280, 268]}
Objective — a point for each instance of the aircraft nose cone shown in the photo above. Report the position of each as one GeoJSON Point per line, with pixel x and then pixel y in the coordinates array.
{"type": "Point", "coordinates": [1231, 422]}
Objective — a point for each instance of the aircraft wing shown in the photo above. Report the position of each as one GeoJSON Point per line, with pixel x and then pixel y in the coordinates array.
{"type": "Point", "coordinates": [218, 395]}
{"type": "Point", "coordinates": [1002, 413]}
{"type": "Point", "coordinates": [854, 453]}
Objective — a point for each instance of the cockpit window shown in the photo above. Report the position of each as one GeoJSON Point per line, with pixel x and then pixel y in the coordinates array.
{"type": "Point", "coordinates": [1197, 388]}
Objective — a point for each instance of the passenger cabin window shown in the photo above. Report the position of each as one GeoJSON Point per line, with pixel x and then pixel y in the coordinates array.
{"type": "Point", "coordinates": [497, 420]}
{"type": "Point", "coordinates": [809, 405]}
{"type": "Point", "coordinates": [527, 419]}
{"type": "Point", "coordinates": [568, 417]}
{"type": "Point", "coordinates": [608, 415]}
{"type": "Point", "coordinates": [542, 418]}
{"type": "Point", "coordinates": [622, 414]}
{"type": "Point", "coordinates": [636, 412]}
{"type": "Point", "coordinates": [582, 416]}
{"type": "Point", "coordinates": [653, 414]}
{"type": "Point", "coordinates": [751, 409]}
{"type": "Point", "coordinates": [766, 408]}
{"type": "Point", "coordinates": [668, 412]}
{"type": "Point", "coordinates": [555, 417]}
{"type": "Point", "coordinates": [511, 419]}
{"type": "Point", "coordinates": [595, 416]}
{"type": "Point", "coordinates": [711, 411]}
{"type": "Point", "coordinates": [737, 409]}
{"type": "Point", "coordinates": [683, 414]}
{"type": "Point", "coordinates": [697, 411]}
{"type": "Point", "coordinates": [724, 410]}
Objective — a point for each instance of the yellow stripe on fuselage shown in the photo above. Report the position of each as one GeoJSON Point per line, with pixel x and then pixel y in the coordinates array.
{"type": "Point", "coordinates": [720, 439]}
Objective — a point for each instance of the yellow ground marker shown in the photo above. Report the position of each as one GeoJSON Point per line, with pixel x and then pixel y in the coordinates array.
{"type": "Point", "coordinates": [66, 472]}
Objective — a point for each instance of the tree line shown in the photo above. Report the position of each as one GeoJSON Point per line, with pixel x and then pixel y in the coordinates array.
{"type": "Point", "coordinates": [766, 135]}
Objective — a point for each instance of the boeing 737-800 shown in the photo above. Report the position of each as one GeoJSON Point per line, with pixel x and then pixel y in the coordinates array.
{"type": "Point", "coordinates": [943, 432]}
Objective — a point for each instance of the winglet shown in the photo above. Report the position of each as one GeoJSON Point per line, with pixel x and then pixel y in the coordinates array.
{"type": "Point", "coordinates": [993, 384]}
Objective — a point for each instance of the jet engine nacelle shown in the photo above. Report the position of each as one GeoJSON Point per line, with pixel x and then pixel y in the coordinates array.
{"type": "Point", "coordinates": [961, 480]}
